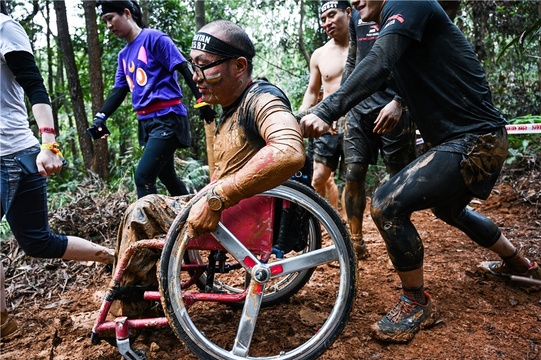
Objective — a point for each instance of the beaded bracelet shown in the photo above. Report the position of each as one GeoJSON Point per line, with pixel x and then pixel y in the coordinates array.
{"type": "Point", "coordinates": [47, 130]}
{"type": "Point", "coordinates": [54, 147]}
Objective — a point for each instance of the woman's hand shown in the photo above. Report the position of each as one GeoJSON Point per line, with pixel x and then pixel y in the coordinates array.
{"type": "Point", "coordinates": [48, 162]}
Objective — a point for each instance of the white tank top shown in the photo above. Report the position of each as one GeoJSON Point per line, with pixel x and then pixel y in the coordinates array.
{"type": "Point", "coordinates": [15, 133]}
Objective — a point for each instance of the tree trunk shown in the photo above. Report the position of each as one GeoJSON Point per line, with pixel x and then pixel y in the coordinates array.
{"type": "Point", "coordinates": [62, 101]}
{"type": "Point", "coordinates": [143, 4]}
{"type": "Point", "coordinates": [200, 21]}
{"type": "Point", "coordinates": [50, 76]}
{"type": "Point", "coordinates": [480, 14]}
{"type": "Point", "coordinates": [74, 84]}
{"type": "Point", "coordinates": [100, 158]}
{"type": "Point", "coordinates": [300, 32]}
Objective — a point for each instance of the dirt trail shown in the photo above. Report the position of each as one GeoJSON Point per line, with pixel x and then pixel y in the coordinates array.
{"type": "Point", "coordinates": [482, 317]}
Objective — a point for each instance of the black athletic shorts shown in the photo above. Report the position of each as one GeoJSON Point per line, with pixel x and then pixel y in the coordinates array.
{"type": "Point", "coordinates": [362, 145]}
{"type": "Point", "coordinates": [328, 150]}
{"type": "Point", "coordinates": [165, 127]}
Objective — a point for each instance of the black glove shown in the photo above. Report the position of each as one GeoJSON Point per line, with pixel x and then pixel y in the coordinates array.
{"type": "Point", "coordinates": [98, 129]}
{"type": "Point", "coordinates": [207, 113]}
{"type": "Point", "coordinates": [99, 120]}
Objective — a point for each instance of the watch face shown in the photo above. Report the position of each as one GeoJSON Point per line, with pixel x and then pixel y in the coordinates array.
{"type": "Point", "coordinates": [214, 201]}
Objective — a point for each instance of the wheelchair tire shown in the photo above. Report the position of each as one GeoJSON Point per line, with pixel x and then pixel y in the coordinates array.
{"type": "Point", "coordinates": [316, 319]}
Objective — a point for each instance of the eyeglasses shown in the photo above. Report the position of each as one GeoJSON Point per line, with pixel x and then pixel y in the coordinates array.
{"type": "Point", "coordinates": [199, 69]}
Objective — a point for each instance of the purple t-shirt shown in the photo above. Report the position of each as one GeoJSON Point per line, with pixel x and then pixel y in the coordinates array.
{"type": "Point", "coordinates": [146, 67]}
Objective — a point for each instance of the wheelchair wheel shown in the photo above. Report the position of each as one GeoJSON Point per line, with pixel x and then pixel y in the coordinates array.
{"type": "Point", "coordinates": [309, 322]}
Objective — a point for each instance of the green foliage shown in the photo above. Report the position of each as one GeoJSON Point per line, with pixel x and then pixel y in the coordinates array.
{"type": "Point", "coordinates": [524, 148]}
{"type": "Point", "coordinates": [494, 28]}
{"type": "Point", "coordinates": [505, 34]}
{"type": "Point", "coordinates": [521, 43]}
{"type": "Point", "coordinates": [175, 19]}
{"type": "Point", "coordinates": [5, 231]}
{"type": "Point", "coordinates": [193, 174]}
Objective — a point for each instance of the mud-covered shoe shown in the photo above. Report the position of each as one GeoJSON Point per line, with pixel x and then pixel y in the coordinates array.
{"type": "Point", "coordinates": [402, 323]}
{"type": "Point", "coordinates": [8, 325]}
{"type": "Point", "coordinates": [500, 268]}
{"type": "Point", "coordinates": [530, 280]}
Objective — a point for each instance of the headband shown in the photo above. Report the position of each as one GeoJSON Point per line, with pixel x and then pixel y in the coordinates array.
{"type": "Point", "coordinates": [334, 5]}
{"type": "Point", "coordinates": [211, 44]}
{"type": "Point", "coordinates": [106, 7]}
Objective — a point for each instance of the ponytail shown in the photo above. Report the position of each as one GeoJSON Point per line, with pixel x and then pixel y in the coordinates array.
{"type": "Point", "coordinates": [137, 14]}
{"type": "Point", "coordinates": [107, 6]}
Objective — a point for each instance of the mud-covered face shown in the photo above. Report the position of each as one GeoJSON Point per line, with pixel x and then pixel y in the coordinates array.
{"type": "Point", "coordinates": [213, 75]}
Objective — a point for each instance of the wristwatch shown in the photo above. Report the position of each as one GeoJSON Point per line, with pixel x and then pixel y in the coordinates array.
{"type": "Point", "coordinates": [214, 200]}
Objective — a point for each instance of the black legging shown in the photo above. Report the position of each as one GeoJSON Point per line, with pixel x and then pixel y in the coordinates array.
{"type": "Point", "coordinates": [431, 181]}
{"type": "Point", "coordinates": [158, 161]}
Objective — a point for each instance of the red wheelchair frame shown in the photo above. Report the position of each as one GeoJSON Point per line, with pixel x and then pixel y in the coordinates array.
{"type": "Point", "coordinates": [251, 220]}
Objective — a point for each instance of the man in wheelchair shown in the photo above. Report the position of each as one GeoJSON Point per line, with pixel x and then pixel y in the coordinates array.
{"type": "Point", "coordinates": [258, 145]}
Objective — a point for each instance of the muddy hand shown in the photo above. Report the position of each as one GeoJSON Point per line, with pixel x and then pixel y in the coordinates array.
{"type": "Point", "coordinates": [313, 127]}
{"type": "Point", "coordinates": [202, 219]}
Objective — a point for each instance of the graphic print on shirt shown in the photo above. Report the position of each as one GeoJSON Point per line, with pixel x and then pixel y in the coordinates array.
{"type": "Point", "coordinates": [367, 34]}
{"type": "Point", "coordinates": [371, 35]}
{"type": "Point", "coordinates": [136, 73]}
{"type": "Point", "coordinates": [392, 19]}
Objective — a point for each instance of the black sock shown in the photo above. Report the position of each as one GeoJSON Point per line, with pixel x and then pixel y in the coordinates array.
{"type": "Point", "coordinates": [517, 262]}
{"type": "Point", "coordinates": [415, 294]}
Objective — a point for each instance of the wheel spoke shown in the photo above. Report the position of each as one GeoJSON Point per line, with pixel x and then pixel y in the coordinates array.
{"type": "Point", "coordinates": [248, 318]}
{"type": "Point", "coordinates": [239, 330]}
{"type": "Point", "coordinates": [304, 261]}
{"type": "Point", "coordinates": [235, 247]}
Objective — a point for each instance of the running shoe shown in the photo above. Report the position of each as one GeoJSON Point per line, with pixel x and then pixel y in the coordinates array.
{"type": "Point", "coordinates": [402, 323]}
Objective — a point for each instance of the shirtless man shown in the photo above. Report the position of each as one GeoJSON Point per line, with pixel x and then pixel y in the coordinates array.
{"type": "Point", "coordinates": [326, 67]}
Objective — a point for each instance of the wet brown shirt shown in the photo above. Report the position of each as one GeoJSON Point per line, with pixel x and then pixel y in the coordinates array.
{"type": "Point", "coordinates": [258, 142]}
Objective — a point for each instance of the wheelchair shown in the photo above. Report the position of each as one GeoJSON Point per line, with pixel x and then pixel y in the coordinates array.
{"type": "Point", "coordinates": [223, 293]}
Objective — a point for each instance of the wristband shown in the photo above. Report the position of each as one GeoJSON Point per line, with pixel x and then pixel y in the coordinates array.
{"type": "Point", "coordinates": [400, 100]}
{"type": "Point", "coordinates": [47, 130]}
{"type": "Point", "coordinates": [54, 147]}
{"type": "Point", "coordinates": [199, 103]}
{"type": "Point", "coordinates": [100, 116]}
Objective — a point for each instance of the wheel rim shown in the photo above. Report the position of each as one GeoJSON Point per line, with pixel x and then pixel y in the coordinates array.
{"type": "Point", "coordinates": [342, 298]}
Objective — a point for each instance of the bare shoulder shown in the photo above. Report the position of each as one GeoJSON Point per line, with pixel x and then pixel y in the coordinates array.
{"type": "Point", "coordinates": [324, 53]}
{"type": "Point", "coordinates": [318, 54]}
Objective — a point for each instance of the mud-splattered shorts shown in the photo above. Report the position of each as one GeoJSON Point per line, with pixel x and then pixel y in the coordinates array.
{"type": "Point", "coordinates": [362, 145]}
{"type": "Point", "coordinates": [329, 149]}
{"type": "Point", "coordinates": [482, 159]}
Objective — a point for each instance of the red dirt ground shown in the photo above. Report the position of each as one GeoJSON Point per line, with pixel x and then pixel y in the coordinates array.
{"type": "Point", "coordinates": [482, 317]}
